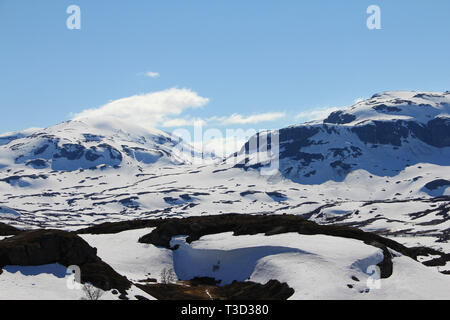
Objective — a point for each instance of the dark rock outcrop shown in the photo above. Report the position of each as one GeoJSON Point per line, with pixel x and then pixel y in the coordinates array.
{"type": "Point", "coordinates": [340, 117]}
{"type": "Point", "coordinates": [116, 227]}
{"type": "Point", "coordinates": [436, 132]}
{"type": "Point", "coordinates": [272, 290]}
{"type": "Point", "coordinates": [382, 132]}
{"type": "Point", "coordinates": [33, 248]}
{"type": "Point", "coordinates": [385, 108]}
{"type": "Point", "coordinates": [41, 247]}
{"type": "Point", "coordinates": [37, 164]}
{"type": "Point", "coordinates": [208, 290]}
{"type": "Point", "coordinates": [6, 230]}
{"type": "Point", "coordinates": [433, 185]}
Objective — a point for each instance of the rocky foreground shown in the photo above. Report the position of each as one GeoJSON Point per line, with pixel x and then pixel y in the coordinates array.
{"type": "Point", "coordinates": [45, 247]}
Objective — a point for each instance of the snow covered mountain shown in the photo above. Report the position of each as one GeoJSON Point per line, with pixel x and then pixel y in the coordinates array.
{"type": "Point", "coordinates": [90, 144]}
{"type": "Point", "coordinates": [382, 165]}
{"type": "Point", "coordinates": [383, 136]}
{"type": "Point", "coordinates": [394, 147]}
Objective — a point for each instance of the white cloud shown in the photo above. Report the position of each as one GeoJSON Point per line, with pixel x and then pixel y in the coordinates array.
{"type": "Point", "coordinates": [316, 114]}
{"type": "Point", "coordinates": [163, 109]}
{"type": "Point", "coordinates": [253, 119]}
{"type": "Point", "coordinates": [226, 120]}
{"type": "Point", "coordinates": [150, 109]}
{"type": "Point", "coordinates": [152, 74]}
{"type": "Point", "coordinates": [183, 122]}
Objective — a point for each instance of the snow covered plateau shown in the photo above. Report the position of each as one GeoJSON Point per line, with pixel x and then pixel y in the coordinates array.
{"type": "Point", "coordinates": [381, 165]}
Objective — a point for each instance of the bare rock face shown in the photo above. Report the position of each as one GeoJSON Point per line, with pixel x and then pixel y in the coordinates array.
{"type": "Point", "coordinates": [435, 133]}
{"type": "Point", "coordinates": [196, 289]}
{"type": "Point", "coordinates": [6, 230]}
{"type": "Point", "coordinates": [272, 290]}
{"type": "Point", "coordinates": [41, 247]}
{"type": "Point", "coordinates": [433, 185]}
{"type": "Point", "coordinates": [116, 227]}
{"type": "Point", "coordinates": [339, 117]}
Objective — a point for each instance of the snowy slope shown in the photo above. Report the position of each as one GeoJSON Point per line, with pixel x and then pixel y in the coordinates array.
{"type": "Point", "coordinates": [47, 177]}
{"type": "Point", "coordinates": [383, 136]}
{"type": "Point", "coordinates": [315, 266]}
{"type": "Point", "coordinates": [134, 260]}
{"type": "Point", "coordinates": [47, 282]}
{"type": "Point", "coordinates": [80, 173]}
{"type": "Point", "coordinates": [90, 144]}
{"type": "Point", "coordinates": [382, 165]}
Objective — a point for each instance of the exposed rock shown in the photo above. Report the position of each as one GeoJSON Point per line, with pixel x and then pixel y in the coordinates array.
{"type": "Point", "coordinates": [41, 247]}
{"type": "Point", "coordinates": [433, 185]}
{"type": "Point", "coordinates": [37, 164]}
{"type": "Point", "coordinates": [103, 276]}
{"type": "Point", "coordinates": [70, 151]}
{"type": "Point", "coordinates": [292, 139]}
{"type": "Point", "coordinates": [381, 132]}
{"type": "Point", "coordinates": [339, 117]}
{"type": "Point", "coordinates": [6, 230]}
{"type": "Point", "coordinates": [116, 227]}
{"type": "Point", "coordinates": [385, 108]}
{"type": "Point", "coordinates": [272, 290]}
{"type": "Point", "coordinates": [207, 289]}
{"type": "Point", "coordinates": [436, 133]}
{"type": "Point", "coordinates": [44, 247]}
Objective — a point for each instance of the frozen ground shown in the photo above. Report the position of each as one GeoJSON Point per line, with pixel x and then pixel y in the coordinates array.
{"type": "Point", "coordinates": [317, 266]}
{"type": "Point", "coordinates": [47, 282]}
{"type": "Point", "coordinates": [382, 165]}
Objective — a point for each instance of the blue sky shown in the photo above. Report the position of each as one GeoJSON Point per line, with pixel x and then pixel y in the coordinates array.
{"type": "Point", "coordinates": [246, 57]}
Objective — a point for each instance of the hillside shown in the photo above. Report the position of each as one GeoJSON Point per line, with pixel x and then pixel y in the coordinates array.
{"type": "Point", "coordinates": [382, 166]}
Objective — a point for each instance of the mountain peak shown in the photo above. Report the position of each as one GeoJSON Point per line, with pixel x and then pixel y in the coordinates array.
{"type": "Point", "coordinates": [395, 105]}
{"type": "Point", "coordinates": [89, 144]}
{"type": "Point", "coordinates": [382, 135]}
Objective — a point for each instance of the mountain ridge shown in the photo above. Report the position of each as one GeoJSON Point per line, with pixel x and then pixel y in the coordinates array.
{"type": "Point", "coordinates": [88, 144]}
{"type": "Point", "coordinates": [408, 127]}
{"type": "Point", "coordinates": [326, 174]}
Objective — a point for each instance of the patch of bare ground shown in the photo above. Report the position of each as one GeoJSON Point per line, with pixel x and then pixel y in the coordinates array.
{"type": "Point", "coordinates": [206, 289]}
{"type": "Point", "coordinates": [6, 230]}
